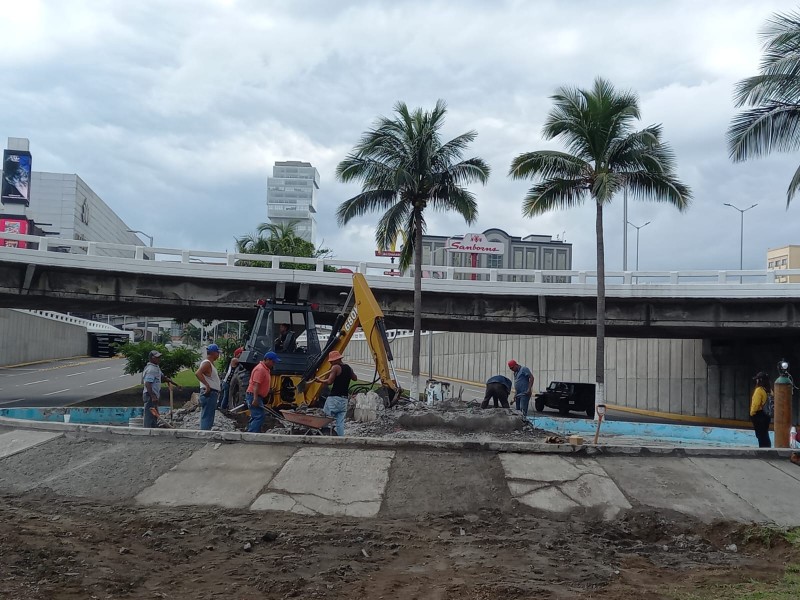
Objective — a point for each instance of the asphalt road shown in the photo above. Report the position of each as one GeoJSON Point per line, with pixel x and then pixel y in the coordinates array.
{"type": "Point", "coordinates": [64, 382]}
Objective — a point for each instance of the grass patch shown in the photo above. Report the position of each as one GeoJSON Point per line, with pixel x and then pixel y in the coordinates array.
{"type": "Point", "coordinates": [187, 379]}
{"type": "Point", "coordinates": [787, 588]}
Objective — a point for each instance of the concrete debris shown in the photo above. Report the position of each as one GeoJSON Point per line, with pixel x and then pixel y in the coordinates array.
{"type": "Point", "coordinates": [367, 406]}
{"type": "Point", "coordinates": [188, 417]}
{"type": "Point", "coordinates": [732, 548]}
{"type": "Point", "coordinates": [247, 546]}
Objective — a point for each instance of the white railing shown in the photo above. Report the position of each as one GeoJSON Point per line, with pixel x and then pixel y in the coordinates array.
{"type": "Point", "coordinates": [91, 326]}
{"type": "Point", "coordinates": [220, 265]}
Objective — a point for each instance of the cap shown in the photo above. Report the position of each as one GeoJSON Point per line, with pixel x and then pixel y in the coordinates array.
{"type": "Point", "coordinates": [154, 354]}
{"type": "Point", "coordinates": [512, 363]}
{"type": "Point", "coordinates": [272, 356]}
{"type": "Point", "coordinates": [212, 348]}
{"type": "Point", "coordinates": [238, 352]}
{"type": "Point", "coordinates": [334, 355]}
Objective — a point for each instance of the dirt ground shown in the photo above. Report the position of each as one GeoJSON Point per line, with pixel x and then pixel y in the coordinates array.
{"type": "Point", "coordinates": [56, 548]}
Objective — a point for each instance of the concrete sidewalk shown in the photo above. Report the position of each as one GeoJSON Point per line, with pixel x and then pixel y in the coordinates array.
{"type": "Point", "coordinates": [337, 477]}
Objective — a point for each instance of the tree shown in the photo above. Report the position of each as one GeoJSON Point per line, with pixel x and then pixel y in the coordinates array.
{"type": "Point", "coordinates": [137, 355]}
{"type": "Point", "coordinates": [404, 168]}
{"type": "Point", "coordinates": [773, 122]}
{"type": "Point", "coordinates": [191, 335]}
{"type": "Point", "coordinates": [605, 154]}
{"type": "Point", "coordinates": [279, 239]}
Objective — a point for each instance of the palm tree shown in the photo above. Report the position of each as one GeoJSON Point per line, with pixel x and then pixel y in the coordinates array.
{"type": "Point", "coordinates": [278, 239]}
{"type": "Point", "coordinates": [605, 154]}
{"type": "Point", "coordinates": [773, 122]}
{"type": "Point", "coordinates": [404, 168]}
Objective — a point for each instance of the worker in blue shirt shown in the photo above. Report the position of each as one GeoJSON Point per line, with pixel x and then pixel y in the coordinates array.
{"type": "Point", "coordinates": [523, 386]}
{"type": "Point", "coordinates": [497, 389]}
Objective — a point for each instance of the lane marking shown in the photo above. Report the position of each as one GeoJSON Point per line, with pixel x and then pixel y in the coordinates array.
{"type": "Point", "coordinates": [96, 382]}
{"type": "Point", "coordinates": [10, 401]}
{"type": "Point", "coordinates": [35, 382]}
{"type": "Point", "coordinates": [73, 374]}
{"type": "Point", "coordinates": [58, 392]}
{"type": "Point", "coordinates": [103, 368]}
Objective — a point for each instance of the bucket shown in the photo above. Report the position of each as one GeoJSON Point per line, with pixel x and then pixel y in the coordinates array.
{"type": "Point", "coordinates": [66, 417]}
{"type": "Point", "coordinates": [136, 422]}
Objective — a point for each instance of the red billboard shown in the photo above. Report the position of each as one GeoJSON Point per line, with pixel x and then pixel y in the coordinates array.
{"type": "Point", "coordinates": [14, 226]}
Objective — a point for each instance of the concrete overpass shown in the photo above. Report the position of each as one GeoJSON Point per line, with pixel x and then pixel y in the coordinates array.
{"type": "Point", "coordinates": [187, 283]}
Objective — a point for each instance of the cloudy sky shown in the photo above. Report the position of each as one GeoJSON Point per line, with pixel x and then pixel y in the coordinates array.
{"type": "Point", "coordinates": [178, 109]}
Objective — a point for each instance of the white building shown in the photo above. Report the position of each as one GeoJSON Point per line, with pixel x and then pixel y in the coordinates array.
{"type": "Point", "coordinates": [63, 205]}
{"type": "Point", "coordinates": [292, 197]}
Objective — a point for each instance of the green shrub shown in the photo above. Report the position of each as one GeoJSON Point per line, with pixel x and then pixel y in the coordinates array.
{"type": "Point", "coordinates": [137, 356]}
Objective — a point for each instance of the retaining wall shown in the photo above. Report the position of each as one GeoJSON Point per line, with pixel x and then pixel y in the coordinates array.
{"type": "Point", "coordinates": [650, 374]}
{"type": "Point", "coordinates": [29, 338]}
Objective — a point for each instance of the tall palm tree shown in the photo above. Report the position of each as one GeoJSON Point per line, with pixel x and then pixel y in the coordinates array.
{"type": "Point", "coordinates": [404, 169]}
{"type": "Point", "coordinates": [773, 122]}
{"type": "Point", "coordinates": [604, 155]}
{"type": "Point", "coordinates": [279, 239]}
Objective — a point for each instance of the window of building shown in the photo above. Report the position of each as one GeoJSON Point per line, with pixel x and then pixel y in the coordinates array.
{"type": "Point", "coordinates": [530, 258]}
{"type": "Point", "coordinates": [518, 258]}
{"type": "Point", "coordinates": [494, 261]}
{"type": "Point", "coordinates": [548, 259]}
{"type": "Point", "coordinates": [561, 261]}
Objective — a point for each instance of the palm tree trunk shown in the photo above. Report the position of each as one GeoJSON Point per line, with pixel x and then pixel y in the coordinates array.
{"type": "Point", "coordinates": [600, 364]}
{"type": "Point", "coordinates": [417, 344]}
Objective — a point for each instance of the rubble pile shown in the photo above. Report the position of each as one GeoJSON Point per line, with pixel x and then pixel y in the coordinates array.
{"type": "Point", "coordinates": [449, 420]}
{"type": "Point", "coordinates": [188, 417]}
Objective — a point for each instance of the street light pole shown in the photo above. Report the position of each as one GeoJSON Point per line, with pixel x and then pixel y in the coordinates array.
{"type": "Point", "coordinates": [625, 229]}
{"type": "Point", "coordinates": [638, 227]}
{"type": "Point", "coordinates": [150, 237]}
{"type": "Point", "coordinates": [741, 232]}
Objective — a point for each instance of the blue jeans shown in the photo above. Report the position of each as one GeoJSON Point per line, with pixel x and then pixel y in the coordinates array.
{"type": "Point", "coordinates": [336, 406]}
{"type": "Point", "coordinates": [150, 420]}
{"type": "Point", "coordinates": [522, 401]}
{"type": "Point", "coordinates": [257, 414]}
{"type": "Point", "coordinates": [223, 397]}
{"type": "Point", "coordinates": [208, 408]}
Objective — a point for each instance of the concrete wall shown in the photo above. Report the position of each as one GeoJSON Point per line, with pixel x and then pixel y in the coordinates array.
{"type": "Point", "coordinates": [28, 338]}
{"type": "Point", "coordinates": [649, 374]}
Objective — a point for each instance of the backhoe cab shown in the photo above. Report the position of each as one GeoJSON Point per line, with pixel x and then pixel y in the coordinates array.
{"type": "Point", "coordinates": [288, 329]}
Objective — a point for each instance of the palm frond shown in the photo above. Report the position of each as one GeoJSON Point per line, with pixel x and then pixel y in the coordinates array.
{"type": "Point", "coordinates": [659, 187]}
{"type": "Point", "coordinates": [545, 164]}
{"type": "Point", "coordinates": [364, 203]}
{"type": "Point", "coordinates": [553, 194]}
{"type": "Point", "coordinates": [452, 198]}
{"type": "Point", "coordinates": [392, 224]}
{"type": "Point", "coordinates": [794, 185]}
{"type": "Point", "coordinates": [761, 130]}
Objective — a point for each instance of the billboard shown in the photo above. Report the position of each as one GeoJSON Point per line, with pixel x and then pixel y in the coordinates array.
{"type": "Point", "coordinates": [16, 177]}
{"type": "Point", "coordinates": [13, 226]}
{"type": "Point", "coordinates": [475, 243]}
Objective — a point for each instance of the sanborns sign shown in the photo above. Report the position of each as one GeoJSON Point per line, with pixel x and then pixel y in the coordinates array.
{"type": "Point", "coordinates": [475, 243]}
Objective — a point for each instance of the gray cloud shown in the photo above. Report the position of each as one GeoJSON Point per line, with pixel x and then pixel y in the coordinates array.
{"type": "Point", "coordinates": [179, 109]}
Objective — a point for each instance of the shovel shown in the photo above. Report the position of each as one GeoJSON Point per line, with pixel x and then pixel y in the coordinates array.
{"type": "Point", "coordinates": [301, 387]}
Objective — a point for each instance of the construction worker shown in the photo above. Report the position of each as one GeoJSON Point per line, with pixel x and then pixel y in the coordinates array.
{"type": "Point", "coordinates": [210, 386]}
{"type": "Point", "coordinates": [151, 378]}
{"type": "Point", "coordinates": [523, 385]}
{"type": "Point", "coordinates": [497, 388]}
{"type": "Point", "coordinates": [258, 390]}
{"type": "Point", "coordinates": [339, 378]}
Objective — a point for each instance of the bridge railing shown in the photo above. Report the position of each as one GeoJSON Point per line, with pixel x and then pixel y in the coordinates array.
{"type": "Point", "coordinates": [176, 256]}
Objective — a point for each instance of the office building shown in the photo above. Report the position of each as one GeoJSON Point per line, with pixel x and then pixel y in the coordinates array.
{"type": "Point", "coordinates": [292, 197]}
{"type": "Point", "coordinates": [495, 249]}
{"type": "Point", "coordinates": [64, 206]}
{"type": "Point", "coordinates": [786, 257]}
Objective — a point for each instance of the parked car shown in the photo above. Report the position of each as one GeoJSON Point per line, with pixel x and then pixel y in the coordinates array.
{"type": "Point", "coordinates": [566, 396]}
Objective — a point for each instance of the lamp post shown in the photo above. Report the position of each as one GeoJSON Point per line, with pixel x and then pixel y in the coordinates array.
{"type": "Point", "coordinates": [149, 237]}
{"type": "Point", "coordinates": [638, 227]}
{"type": "Point", "coordinates": [741, 232]}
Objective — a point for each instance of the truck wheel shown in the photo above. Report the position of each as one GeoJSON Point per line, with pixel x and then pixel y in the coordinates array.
{"type": "Point", "coordinates": [239, 383]}
{"type": "Point", "coordinates": [538, 403]}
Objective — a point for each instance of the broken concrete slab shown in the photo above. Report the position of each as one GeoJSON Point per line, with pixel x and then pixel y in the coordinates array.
{"type": "Point", "coordinates": [18, 440]}
{"type": "Point", "coordinates": [676, 484]}
{"type": "Point", "coordinates": [766, 488]}
{"type": "Point", "coordinates": [330, 481]}
{"type": "Point", "coordinates": [229, 475]}
{"type": "Point", "coordinates": [562, 484]}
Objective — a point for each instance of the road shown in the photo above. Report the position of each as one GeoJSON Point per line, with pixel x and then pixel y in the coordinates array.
{"type": "Point", "coordinates": [64, 382]}
{"type": "Point", "coordinates": [472, 392]}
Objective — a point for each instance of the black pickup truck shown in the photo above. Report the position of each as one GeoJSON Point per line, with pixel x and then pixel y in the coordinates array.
{"type": "Point", "coordinates": [566, 396]}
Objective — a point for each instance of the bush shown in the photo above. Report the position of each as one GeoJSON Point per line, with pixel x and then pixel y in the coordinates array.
{"type": "Point", "coordinates": [172, 361]}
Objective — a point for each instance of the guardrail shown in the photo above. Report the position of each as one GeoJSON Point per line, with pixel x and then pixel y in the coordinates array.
{"type": "Point", "coordinates": [508, 277]}
{"type": "Point", "coordinates": [91, 326]}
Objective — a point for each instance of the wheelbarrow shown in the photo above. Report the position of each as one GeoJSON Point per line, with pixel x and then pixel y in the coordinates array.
{"type": "Point", "coordinates": [303, 424]}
